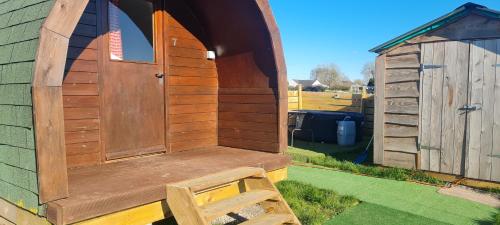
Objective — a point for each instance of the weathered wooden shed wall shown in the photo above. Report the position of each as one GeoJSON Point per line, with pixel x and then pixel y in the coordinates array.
{"type": "Point", "coordinates": [424, 86]}
{"type": "Point", "coordinates": [397, 121]}
{"type": "Point", "coordinates": [20, 23]}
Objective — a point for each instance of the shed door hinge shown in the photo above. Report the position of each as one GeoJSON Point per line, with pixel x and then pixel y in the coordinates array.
{"type": "Point", "coordinates": [497, 65]}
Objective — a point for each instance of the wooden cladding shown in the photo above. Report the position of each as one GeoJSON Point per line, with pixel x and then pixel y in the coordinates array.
{"type": "Point", "coordinates": [248, 119]}
{"type": "Point", "coordinates": [81, 93]}
{"type": "Point", "coordinates": [400, 106]}
{"type": "Point", "coordinates": [192, 87]}
{"type": "Point", "coordinates": [239, 109]}
{"type": "Point", "coordinates": [403, 61]}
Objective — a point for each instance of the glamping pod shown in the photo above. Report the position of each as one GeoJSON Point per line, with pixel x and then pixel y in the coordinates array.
{"type": "Point", "coordinates": [438, 96]}
{"type": "Point", "coordinates": [105, 102]}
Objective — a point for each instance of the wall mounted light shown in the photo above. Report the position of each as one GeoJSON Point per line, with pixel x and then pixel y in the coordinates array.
{"type": "Point", "coordinates": [211, 55]}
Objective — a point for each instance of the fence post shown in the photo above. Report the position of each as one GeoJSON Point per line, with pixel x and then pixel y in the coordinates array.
{"type": "Point", "coordinates": [364, 95]}
{"type": "Point", "coordinates": [299, 97]}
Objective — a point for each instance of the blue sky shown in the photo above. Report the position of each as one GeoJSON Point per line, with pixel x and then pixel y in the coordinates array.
{"type": "Point", "coordinates": [332, 31]}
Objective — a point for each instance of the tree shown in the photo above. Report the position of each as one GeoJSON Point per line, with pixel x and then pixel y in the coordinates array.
{"type": "Point", "coordinates": [329, 75]}
{"type": "Point", "coordinates": [368, 71]}
{"type": "Point", "coordinates": [359, 82]}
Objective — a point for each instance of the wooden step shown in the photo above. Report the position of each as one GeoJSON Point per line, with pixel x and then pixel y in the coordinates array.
{"type": "Point", "coordinates": [217, 179]}
{"type": "Point", "coordinates": [270, 219]}
{"type": "Point", "coordinates": [239, 202]}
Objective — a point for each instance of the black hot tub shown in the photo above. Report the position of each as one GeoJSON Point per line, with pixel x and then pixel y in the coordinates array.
{"type": "Point", "coordinates": [324, 124]}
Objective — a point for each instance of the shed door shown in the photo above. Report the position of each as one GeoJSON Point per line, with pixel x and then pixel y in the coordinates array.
{"type": "Point", "coordinates": [460, 108]}
{"type": "Point", "coordinates": [132, 84]}
{"type": "Point", "coordinates": [483, 155]}
{"type": "Point", "coordinates": [445, 78]}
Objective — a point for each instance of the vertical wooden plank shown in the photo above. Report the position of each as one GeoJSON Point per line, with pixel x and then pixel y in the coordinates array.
{"type": "Point", "coordinates": [436, 108]}
{"type": "Point", "coordinates": [425, 115]}
{"type": "Point", "coordinates": [449, 106]}
{"type": "Point", "coordinates": [462, 81]}
{"type": "Point", "coordinates": [495, 160]}
{"type": "Point", "coordinates": [476, 98]}
{"type": "Point", "coordinates": [420, 99]}
{"type": "Point", "coordinates": [490, 60]}
{"type": "Point", "coordinates": [50, 143]}
{"type": "Point", "coordinates": [299, 92]}
{"type": "Point", "coordinates": [378, 133]}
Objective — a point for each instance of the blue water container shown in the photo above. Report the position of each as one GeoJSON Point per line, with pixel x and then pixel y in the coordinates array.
{"type": "Point", "coordinates": [346, 133]}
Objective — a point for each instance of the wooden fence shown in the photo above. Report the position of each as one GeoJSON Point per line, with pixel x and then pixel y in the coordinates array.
{"type": "Point", "coordinates": [334, 101]}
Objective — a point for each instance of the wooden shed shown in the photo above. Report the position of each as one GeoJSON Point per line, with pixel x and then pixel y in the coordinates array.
{"type": "Point", "coordinates": [438, 96]}
{"type": "Point", "coordinates": [104, 102]}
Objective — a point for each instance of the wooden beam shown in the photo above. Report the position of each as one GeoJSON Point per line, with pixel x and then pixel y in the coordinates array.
{"type": "Point", "coordinates": [50, 143]}
{"type": "Point", "coordinates": [64, 17]}
{"type": "Point", "coordinates": [378, 155]}
{"type": "Point", "coordinates": [47, 98]}
{"type": "Point", "coordinates": [51, 59]}
{"type": "Point", "coordinates": [279, 60]}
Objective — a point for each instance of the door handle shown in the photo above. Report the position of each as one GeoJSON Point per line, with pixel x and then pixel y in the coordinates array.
{"type": "Point", "coordinates": [159, 75]}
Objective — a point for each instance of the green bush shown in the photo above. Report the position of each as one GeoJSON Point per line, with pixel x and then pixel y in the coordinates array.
{"type": "Point", "coordinates": [314, 206]}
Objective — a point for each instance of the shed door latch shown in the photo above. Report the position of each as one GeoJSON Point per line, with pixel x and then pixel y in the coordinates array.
{"type": "Point", "coordinates": [432, 66]}
{"type": "Point", "coordinates": [470, 108]}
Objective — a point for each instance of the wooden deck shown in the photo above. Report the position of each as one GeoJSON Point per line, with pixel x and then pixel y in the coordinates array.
{"type": "Point", "coordinates": [99, 190]}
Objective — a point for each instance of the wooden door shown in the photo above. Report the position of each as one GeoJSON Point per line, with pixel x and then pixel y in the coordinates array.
{"type": "Point", "coordinates": [133, 86]}
{"type": "Point", "coordinates": [444, 85]}
{"type": "Point", "coordinates": [483, 146]}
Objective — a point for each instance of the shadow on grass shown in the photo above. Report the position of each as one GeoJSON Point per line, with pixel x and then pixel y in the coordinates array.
{"type": "Point", "coordinates": [495, 220]}
{"type": "Point", "coordinates": [341, 153]}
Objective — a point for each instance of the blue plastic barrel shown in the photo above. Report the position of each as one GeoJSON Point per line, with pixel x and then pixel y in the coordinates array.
{"type": "Point", "coordinates": [346, 133]}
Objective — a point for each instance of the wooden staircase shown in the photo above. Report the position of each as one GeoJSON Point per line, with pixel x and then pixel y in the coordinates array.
{"type": "Point", "coordinates": [254, 187]}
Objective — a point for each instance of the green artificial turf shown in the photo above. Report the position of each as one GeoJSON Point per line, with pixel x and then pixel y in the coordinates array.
{"type": "Point", "coordinates": [416, 199]}
{"type": "Point", "coordinates": [373, 214]}
{"type": "Point", "coordinates": [312, 205]}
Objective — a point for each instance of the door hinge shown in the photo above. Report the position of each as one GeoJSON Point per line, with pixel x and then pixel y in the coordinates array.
{"type": "Point", "coordinates": [497, 65]}
{"type": "Point", "coordinates": [494, 156]}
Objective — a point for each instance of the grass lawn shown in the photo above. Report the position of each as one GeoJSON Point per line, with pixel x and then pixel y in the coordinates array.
{"type": "Point", "coordinates": [412, 201]}
{"type": "Point", "coordinates": [317, 154]}
{"type": "Point", "coordinates": [348, 153]}
{"type": "Point", "coordinates": [312, 205]}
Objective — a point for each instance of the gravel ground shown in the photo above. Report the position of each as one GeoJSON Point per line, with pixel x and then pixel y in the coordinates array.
{"type": "Point", "coordinates": [242, 216]}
